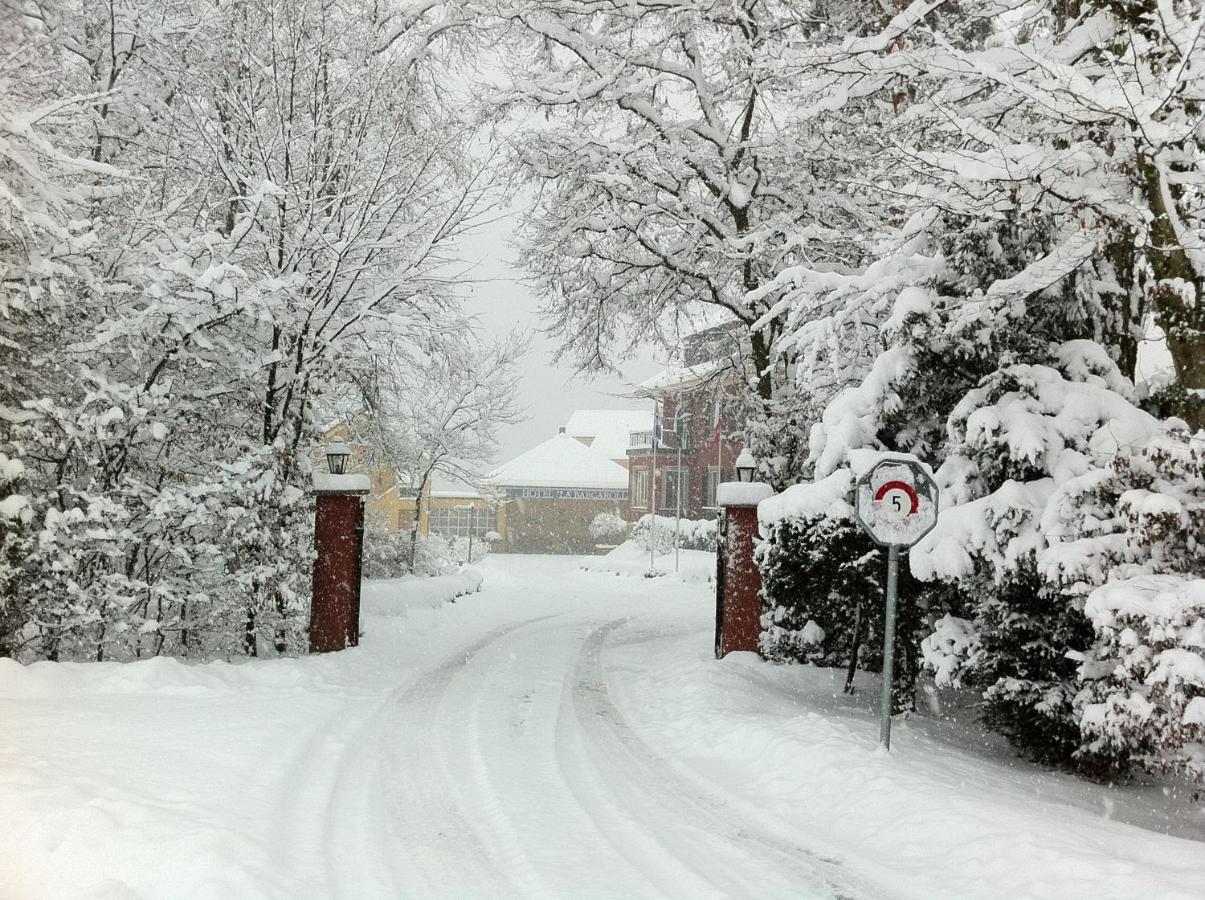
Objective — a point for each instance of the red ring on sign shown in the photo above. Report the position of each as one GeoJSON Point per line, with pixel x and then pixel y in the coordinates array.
{"type": "Point", "coordinates": [903, 486]}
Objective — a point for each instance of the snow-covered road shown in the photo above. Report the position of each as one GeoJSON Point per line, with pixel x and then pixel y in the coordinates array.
{"type": "Point", "coordinates": [560, 733]}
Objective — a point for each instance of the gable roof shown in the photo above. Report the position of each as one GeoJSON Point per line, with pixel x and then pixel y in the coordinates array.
{"type": "Point", "coordinates": [561, 462]}
{"type": "Point", "coordinates": [609, 428]}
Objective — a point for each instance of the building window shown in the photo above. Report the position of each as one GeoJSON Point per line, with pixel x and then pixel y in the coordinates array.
{"type": "Point", "coordinates": [461, 521]}
{"type": "Point", "coordinates": [677, 484]}
{"type": "Point", "coordinates": [682, 425]}
{"type": "Point", "coordinates": [714, 476]}
{"type": "Point", "coordinates": [640, 488]}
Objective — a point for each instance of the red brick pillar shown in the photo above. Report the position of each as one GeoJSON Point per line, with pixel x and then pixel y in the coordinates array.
{"type": "Point", "coordinates": [738, 580]}
{"type": "Point", "coordinates": [339, 540]}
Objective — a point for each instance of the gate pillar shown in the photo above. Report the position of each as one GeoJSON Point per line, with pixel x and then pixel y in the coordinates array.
{"type": "Point", "coordinates": [738, 580]}
{"type": "Point", "coordinates": [339, 542]}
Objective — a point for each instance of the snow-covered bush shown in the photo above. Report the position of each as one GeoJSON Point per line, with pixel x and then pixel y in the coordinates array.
{"type": "Point", "coordinates": [437, 554]}
{"type": "Point", "coordinates": [215, 568]}
{"type": "Point", "coordinates": [946, 650]}
{"type": "Point", "coordinates": [15, 514]}
{"type": "Point", "coordinates": [1023, 432]}
{"type": "Point", "coordinates": [1128, 540]}
{"type": "Point", "coordinates": [609, 528]}
{"type": "Point", "coordinates": [386, 553]}
{"type": "Point", "coordinates": [693, 534]}
{"type": "Point", "coordinates": [1146, 674]}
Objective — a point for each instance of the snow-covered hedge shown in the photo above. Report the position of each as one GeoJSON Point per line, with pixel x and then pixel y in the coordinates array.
{"type": "Point", "coordinates": [693, 534]}
{"type": "Point", "coordinates": [437, 554]}
{"type": "Point", "coordinates": [823, 582]}
{"type": "Point", "coordinates": [215, 568]}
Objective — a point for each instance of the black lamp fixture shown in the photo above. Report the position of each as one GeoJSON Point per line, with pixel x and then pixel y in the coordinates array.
{"type": "Point", "coordinates": [745, 466]}
{"type": "Point", "coordinates": [336, 457]}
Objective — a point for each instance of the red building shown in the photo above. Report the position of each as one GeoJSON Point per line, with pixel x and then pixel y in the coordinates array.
{"type": "Point", "coordinates": [697, 404]}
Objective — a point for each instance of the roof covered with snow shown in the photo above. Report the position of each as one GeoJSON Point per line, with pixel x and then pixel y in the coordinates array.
{"type": "Point", "coordinates": [609, 428]}
{"type": "Point", "coordinates": [680, 378]}
{"type": "Point", "coordinates": [561, 461]}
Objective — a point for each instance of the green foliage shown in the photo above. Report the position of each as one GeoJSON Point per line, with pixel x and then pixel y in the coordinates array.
{"type": "Point", "coordinates": [820, 578]}
{"type": "Point", "coordinates": [1029, 683]}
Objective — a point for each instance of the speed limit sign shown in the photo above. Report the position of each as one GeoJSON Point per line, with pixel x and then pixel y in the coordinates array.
{"type": "Point", "coordinates": [896, 503]}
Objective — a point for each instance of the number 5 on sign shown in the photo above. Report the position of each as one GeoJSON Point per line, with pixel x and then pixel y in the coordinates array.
{"type": "Point", "coordinates": [896, 504]}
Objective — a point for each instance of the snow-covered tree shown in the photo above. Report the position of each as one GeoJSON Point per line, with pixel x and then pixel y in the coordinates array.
{"type": "Point", "coordinates": [44, 253]}
{"type": "Point", "coordinates": [1014, 441]}
{"type": "Point", "coordinates": [1086, 112]}
{"type": "Point", "coordinates": [295, 188]}
{"type": "Point", "coordinates": [674, 178]}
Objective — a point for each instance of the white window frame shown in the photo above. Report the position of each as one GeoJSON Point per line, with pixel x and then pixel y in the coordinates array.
{"type": "Point", "coordinates": [456, 521]}
{"type": "Point", "coordinates": [714, 475]}
{"type": "Point", "coordinates": [640, 488]}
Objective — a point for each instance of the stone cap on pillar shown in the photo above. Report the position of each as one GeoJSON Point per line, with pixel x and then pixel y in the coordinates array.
{"type": "Point", "coordinates": [326, 483]}
{"type": "Point", "coordinates": [742, 493]}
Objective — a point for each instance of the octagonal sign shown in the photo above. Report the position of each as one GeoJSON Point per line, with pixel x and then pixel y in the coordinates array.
{"type": "Point", "coordinates": [896, 502]}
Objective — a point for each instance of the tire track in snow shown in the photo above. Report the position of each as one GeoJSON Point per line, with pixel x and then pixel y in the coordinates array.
{"type": "Point", "coordinates": [379, 809]}
{"type": "Point", "coordinates": [426, 822]}
{"type": "Point", "coordinates": [499, 727]}
{"type": "Point", "coordinates": [698, 827]}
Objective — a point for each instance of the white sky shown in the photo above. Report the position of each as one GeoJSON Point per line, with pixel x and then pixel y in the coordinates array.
{"type": "Point", "coordinates": [549, 393]}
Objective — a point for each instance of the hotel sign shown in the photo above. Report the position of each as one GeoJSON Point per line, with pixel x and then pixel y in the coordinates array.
{"type": "Point", "coordinates": [534, 493]}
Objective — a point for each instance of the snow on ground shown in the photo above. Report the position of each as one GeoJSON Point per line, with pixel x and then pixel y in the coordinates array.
{"type": "Point", "coordinates": [561, 732]}
{"type": "Point", "coordinates": [397, 596]}
{"type": "Point", "coordinates": [631, 559]}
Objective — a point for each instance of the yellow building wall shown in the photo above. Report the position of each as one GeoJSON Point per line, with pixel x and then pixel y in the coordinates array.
{"type": "Point", "coordinates": [388, 508]}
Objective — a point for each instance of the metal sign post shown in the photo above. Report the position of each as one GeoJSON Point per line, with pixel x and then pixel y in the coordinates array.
{"type": "Point", "coordinates": [896, 504]}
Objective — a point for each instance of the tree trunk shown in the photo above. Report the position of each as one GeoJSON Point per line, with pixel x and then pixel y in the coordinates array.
{"type": "Point", "coordinates": [1177, 295]}
{"type": "Point", "coordinates": [250, 645]}
{"type": "Point", "coordinates": [1124, 321]}
{"type": "Point", "coordinates": [855, 645]}
{"type": "Point", "coordinates": [418, 517]}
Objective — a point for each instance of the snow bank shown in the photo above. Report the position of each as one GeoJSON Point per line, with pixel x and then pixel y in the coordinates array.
{"type": "Point", "coordinates": [631, 558]}
{"type": "Point", "coordinates": [393, 596]}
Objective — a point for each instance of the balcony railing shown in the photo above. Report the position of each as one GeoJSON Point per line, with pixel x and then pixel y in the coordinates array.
{"type": "Point", "coordinates": [643, 440]}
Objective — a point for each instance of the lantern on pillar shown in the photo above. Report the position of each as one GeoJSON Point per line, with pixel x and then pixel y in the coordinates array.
{"type": "Point", "coordinates": [746, 465]}
{"type": "Point", "coordinates": [336, 457]}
